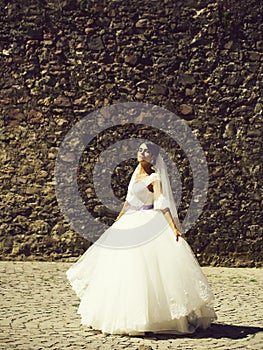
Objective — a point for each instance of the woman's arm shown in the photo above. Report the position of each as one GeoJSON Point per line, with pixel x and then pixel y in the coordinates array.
{"type": "Point", "coordinates": [169, 218]}
{"type": "Point", "coordinates": [122, 210]}
{"type": "Point", "coordinates": [157, 189]}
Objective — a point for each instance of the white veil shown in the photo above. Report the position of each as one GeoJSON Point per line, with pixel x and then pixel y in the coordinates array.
{"type": "Point", "coordinates": [166, 199]}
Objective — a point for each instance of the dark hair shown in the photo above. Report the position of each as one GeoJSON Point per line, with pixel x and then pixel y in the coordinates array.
{"type": "Point", "coordinates": [152, 147]}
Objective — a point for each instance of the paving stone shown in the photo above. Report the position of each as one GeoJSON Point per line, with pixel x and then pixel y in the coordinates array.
{"type": "Point", "coordinates": [39, 312]}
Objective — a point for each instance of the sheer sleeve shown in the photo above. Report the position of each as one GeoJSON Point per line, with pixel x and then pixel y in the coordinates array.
{"type": "Point", "coordinates": [160, 201]}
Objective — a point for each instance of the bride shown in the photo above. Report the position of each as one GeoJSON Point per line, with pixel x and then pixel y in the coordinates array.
{"type": "Point", "coordinates": [141, 275]}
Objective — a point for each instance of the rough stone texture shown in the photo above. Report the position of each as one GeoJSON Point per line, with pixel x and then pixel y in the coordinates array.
{"type": "Point", "coordinates": [63, 59]}
{"type": "Point", "coordinates": [39, 311]}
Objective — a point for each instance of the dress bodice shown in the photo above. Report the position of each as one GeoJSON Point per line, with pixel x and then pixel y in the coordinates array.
{"type": "Point", "coordinates": [139, 194]}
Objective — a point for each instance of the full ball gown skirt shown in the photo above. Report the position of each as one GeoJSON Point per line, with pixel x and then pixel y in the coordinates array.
{"type": "Point", "coordinates": [156, 286]}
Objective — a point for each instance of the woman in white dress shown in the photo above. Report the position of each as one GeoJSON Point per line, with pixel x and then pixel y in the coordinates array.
{"type": "Point", "coordinates": [141, 275]}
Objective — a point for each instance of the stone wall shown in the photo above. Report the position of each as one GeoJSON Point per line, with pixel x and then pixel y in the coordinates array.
{"type": "Point", "coordinates": [61, 59]}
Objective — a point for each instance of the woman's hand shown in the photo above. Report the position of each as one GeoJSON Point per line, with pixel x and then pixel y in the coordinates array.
{"type": "Point", "coordinates": [171, 222]}
{"type": "Point", "coordinates": [122, 211]}
{"type": "Point", "coordinates": [118, 217]}
{"type": "Point", "coordinates": [177, 233]}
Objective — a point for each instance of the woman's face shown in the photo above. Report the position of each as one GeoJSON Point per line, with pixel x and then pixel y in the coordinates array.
{"type": "Point", "coordinates": [143, 154]}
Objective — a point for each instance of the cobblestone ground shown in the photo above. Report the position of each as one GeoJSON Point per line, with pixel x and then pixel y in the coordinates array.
{"type": "Point", "coordinates": [39, 308]}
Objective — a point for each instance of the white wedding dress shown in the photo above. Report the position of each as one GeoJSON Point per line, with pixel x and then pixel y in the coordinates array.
{"type": "Point", "coordinates": [128, 286]}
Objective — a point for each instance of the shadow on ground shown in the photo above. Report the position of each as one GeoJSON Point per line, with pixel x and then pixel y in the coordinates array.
{"type": "Point", "coordinates": [216, 331]}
